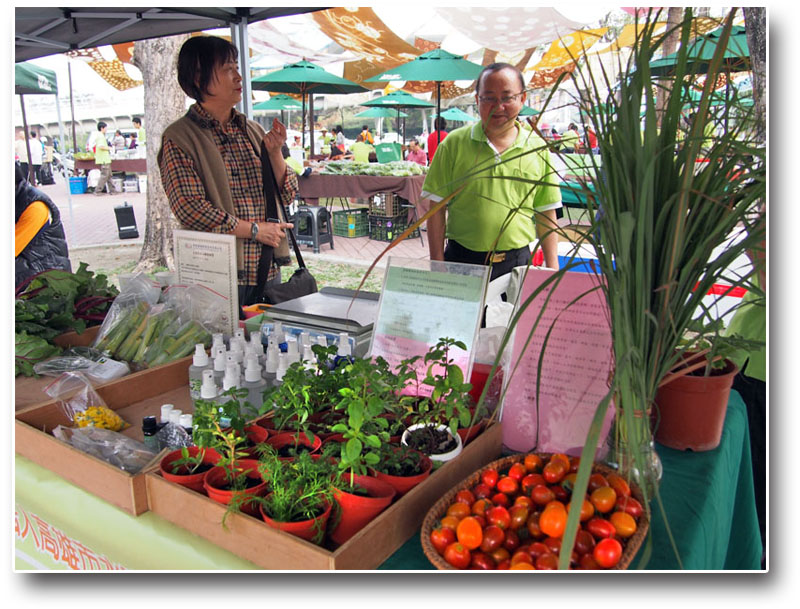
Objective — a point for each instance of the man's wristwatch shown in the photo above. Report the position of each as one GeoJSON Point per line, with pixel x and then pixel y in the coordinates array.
{"type": "Point", "coordinates": [254, 230]}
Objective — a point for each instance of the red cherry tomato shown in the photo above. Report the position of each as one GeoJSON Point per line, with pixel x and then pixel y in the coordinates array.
{"type": "Point", "coordinates": [537, 548]}
{"type": "Point", "coordinates": [560, 492]}
{"type": "Point", "coordinates": [546, 562]}
{"type": "Point", "coordinates": [533, 526]}
{"type": "Point", "coordinates": [512, 541]}
{"type": "Point", "coordinates": [499, 516]}
{"type": "Point", "coordinates": [531, 480]}
{"type": "Point", "coordinates": [521, 556]}
{"type": "Point", "coordinates": [607, 552]}
{"type": "Point", "coordinates": [465, 496]}
{"type": "Point", "coordinates": [500, 555]}
{"type": "Point", "coordinates": [584, 542]}
{"type": "Point", "coordinates": [507, 485]}
{"type": "Point", "coordinates": [596, 481]}
{"type": "Point", "coordinates": [629, 505]}
{"type": "Point", "coordinates": [493, 538]}
{"type": "Point", "coordinates": [588, 563]}
{"type": "Point", "coordinates": [441, 538]}
{"type": "Point", "coordinates": [600, 528]}
{"type": "Point", "coordinates": [542, 495]}
{"type": "Point", "coordinates": [504, 565]}
{"type": "Point", "coordinates": [457, 555]}
{"type": "Point", "coordinates": [554, 544]}
{"type": "Point", "coordinates": [554, 471]}
{"type": "Point", "coordinates": [524, 501]}
{"type": "Point", "coordinates": [501, 499]}
{"type": "Point", "coordinates": [519, 516]}
{"type": "Point", "coordinates": [481, 490]}
{"type": "Point", "coordinates": [482, 562]}
{"type": "Point", "coordinates": [517, 472]}
{"type": "Point", "coordinates": [489, 477]}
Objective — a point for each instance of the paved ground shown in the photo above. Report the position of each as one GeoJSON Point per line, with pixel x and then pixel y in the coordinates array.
{"type": "Point", "coordinates": [90, 221]}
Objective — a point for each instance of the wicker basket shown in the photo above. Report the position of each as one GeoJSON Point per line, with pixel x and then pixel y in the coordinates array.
{"type": "Point", "coordinates": [438, 510]}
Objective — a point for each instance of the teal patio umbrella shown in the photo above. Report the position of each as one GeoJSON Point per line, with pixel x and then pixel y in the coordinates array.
{"type": "Point", "coordinates": [305, 78]}
{"type": "Point", "coordinates": [457, 114]}
{"type": "Point", "coordinates": [437, 66]}
{"type": "Point", "coordinates": [279, 102]}
{"type": "Point", "coordinates": [398, 99]}
{"type": "Point", "coordinates": [701, 50]}
{"type": "Point", "coordinates": [528, 111]}
{"type": "Point", "coordinates": [381, 113]}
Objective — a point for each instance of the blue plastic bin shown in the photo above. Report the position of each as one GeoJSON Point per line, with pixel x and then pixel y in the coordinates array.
{"type": "Point", "coordinates": [77, 185]}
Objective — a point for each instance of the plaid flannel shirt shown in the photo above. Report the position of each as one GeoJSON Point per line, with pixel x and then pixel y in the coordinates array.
{"type": "Point", "coordinates": [186, 194]}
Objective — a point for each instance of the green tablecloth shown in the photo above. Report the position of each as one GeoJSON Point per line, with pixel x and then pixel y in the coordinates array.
{"type": "Point", "coordinates": [709, 501]}
{"type": "Point", "coordinates": [708, 497]}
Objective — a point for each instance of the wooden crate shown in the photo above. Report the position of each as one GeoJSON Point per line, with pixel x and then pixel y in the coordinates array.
{"type": "Point", "coordinates": [268, 548]}
{"type": "Point", "coordinates": [132, 397]}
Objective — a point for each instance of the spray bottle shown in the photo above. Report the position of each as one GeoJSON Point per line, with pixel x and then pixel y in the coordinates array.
{"type": "Point", "coordinates": [255, 385]}
{"type": "Point", "coordinates": [200, 362]}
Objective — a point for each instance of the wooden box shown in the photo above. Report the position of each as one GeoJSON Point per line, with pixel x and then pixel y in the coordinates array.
{"type": "Point", "coordinates": [132, 397]}
{"type": "Point", "coordinates": [268, 548]}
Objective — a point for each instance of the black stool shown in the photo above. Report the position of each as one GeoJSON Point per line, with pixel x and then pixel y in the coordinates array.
{"type": "Point", "coordinates": [312, 226]}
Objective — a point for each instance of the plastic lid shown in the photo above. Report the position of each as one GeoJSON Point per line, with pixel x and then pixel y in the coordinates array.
{"type": "Point", "coordinates": [217, 339]}
{"type": "Point", "coordinates": [186, 421]}
{"type": "Point", "coordinates": [220, 361]}
{"type": "Point", "coordinates": [149, 423]}
{"type": "Point", "coordinates": [200, 355]}
{"type": "Point", "coordinates": [291, 347]}
{"type": "Point", "coordinates": [165, 410]}
{"type": "Point", "coordinates": [175, 415]}
{"type": "Point", "coordinates": [283, 362]}
{"type": "Point", "coordinates": [271, 363]}
{"type": "Point", "coordinates": [208, 390]}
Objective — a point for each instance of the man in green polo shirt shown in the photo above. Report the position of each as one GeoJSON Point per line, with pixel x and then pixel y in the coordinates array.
{"type": "Point", "coordinates": [102, 156]}
{"type": "Point", "coordinates": [495, 217]}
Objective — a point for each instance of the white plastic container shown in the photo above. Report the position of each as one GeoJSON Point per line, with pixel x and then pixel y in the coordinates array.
{"type": "Point", "coordinates": [443, 457]}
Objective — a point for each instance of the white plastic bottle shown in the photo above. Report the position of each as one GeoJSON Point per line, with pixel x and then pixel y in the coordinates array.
{"type": "Point", "coordinates": [200, 362]}
{"type": "Point", "coordinates": [292, 350]}
{"type": "Point", "coordinates": [237, 350]}
{"type": "Point", "coordinates": [217, 340]}
{"type": "Point", "coordinates": [165, 410]}
{"type": "Point", "coordinates": [280, 336]}
{"type": "Point", "coordinates": [344, 352]}
{"type": "Point", "coordinates": [208, 388]}
{"type": "Point", "coordinates": [220, 360]}
{"type": "Point", "coordinates": [283, 365]}
{"type": "Point", "coordinates": [255, 385]}
{"type": "Point", "coordinates": [271, 364]}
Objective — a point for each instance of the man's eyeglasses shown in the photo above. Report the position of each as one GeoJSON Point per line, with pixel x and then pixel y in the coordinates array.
{"type": "Point", "coordinates": [491, 101]}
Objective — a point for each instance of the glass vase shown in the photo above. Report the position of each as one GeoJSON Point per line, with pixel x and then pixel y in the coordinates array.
{"type": "Point", "coordinates": [632, 452]}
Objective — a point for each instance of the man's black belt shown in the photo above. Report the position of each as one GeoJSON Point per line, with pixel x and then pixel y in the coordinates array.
{"type": "Point", "coordinates": [463, 254]}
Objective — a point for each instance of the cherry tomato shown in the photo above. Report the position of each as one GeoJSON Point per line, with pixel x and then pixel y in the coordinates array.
{"type": "Point", "coordinates": [546, 562]}
{"type": "Point", "coordinates": [555, 504]}
{"type": "Point", "coordinates": [517, 472]}
{"type": "Point", "coordinates": [630, 505]}
{"type": "Point", "coordinates": [521, 556]}
{"type": "Point", "coordinates": [493, 538]}
{"type": "Point", "coordinates": [537, 548]}
{"type": "Point", "coordinates": [574, 465]}
{"type": "Point", "coordinates": [553, 521]}
{"type": "Point", "coordinates": [584, 542]}
{"type": "Point", "coordinates": [441, 538]}
{"type": "Point", "coordinates": [530, 481]}
{"type": "Point", "coordinates": [481, 520]}
{"type": "Point", "coordinates": [624, 523]}
{"type": "Point", "coordinates": [500, 554]}
{"type": "Point", "coordinates": [553, 543]}
{"type": "Point", "coordinates": [501, 499]}
{"type": "Point", "coordinates": [524, 501]}
{"type": "Point", "coordinates": [457, 555]}
{"type": "Point", "coordinates": [519, 517]}
{"type": "Point", "coordinates": [482, 562]}
{"type": "Point", "coordinates": [499, 516]}
{"type": "Point", "coordinates": [504, 565]}
{"type": "Point", "coordinates": [481, 490]}
{"type": "Point", "coordinates": [458, 510]}
{"type": "Point", "coordinates": [533, 526]}
{"type": "Point", "coordinates": [480, 506]}
{"type": "Point", "coordinates": [522, 566]}
{"type": "Point", "coordinates": [512, 541]}
{"type": "Point", "coordinates": [587, 510]}
{"type": "Point", "coordinates": [600, 528]}
{"type": "Point", "coordinates": [604, 498]}
{"type": "Point", "coordinates": [563, 458]}
{"type": "Point", "coordinates": [568, 483]}
{"type": "Point", "coordinates": [449, 522]}
{"type": "Point", "coordinates": [532, 462]}
{"type": "Point", "coordinates": [489, 477]}
{"type": "Point", "coordinates": [596, 481]}
{"type": "Point", "coordinates": [607, 552]}
{"type": "Point", "coordinates": [469, 533]}
{"type": "Point", "coordinates": [554, 471]}
{"type": "Point", "coordinates": [588, 563]}
{"type": "Point", "coordinates": [507, 485]}
{"type": "Point", "coordinates": [542, 495]}
{"type": "Point", "coordinates": [619, 484]}
{"type": "Point", "coordinates": [465, 496]}
{"type": "Point", "coordinates": [560, 492]}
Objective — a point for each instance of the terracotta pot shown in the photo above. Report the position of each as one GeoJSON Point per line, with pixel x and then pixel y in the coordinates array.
{"type": "Point", "coordinates": [403, 484]}
{"type": "Point", "coordinates": [291, 438]}
{"type": "Point", "coordinates": [442, 457]}
{"type": "Point", "coordinates": [311, 530]}
{"type": "Point", "coordinates": [356, 510]}
{"type": "Point", "coordinates": [215, 481]}
{"type": "Point", "coordinates": [691, 410]}
{"type": "Point", "coordinates": [191, 481]}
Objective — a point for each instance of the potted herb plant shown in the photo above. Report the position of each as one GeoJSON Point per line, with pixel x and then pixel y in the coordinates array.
{"type": "Point", "coordinates": [299, 497]}
{"type": "Point", "coordinates": [402, 467]}
{"type": "Point", "coordinates": [188, 465]}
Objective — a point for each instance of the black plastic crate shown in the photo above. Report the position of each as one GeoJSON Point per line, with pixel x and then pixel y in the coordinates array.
{"type": "Point", "coordinates": [388, 228]}
{"type": "Point", "coordinates": [351, 222]}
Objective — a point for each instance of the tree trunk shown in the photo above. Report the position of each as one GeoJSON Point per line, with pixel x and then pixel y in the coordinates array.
{"type": "Point", "coordinates": [755, 19]}
{"type": "Point", "coordinates": [164, 102]}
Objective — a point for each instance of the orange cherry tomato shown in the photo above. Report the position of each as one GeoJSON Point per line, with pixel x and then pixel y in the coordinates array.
{"type": "Point", "coordinates": [553, 521]}
{"type": "Point", "coordinates": [458, 510]}
{"type": "Point", "coordinates": [480, 506]}
{"type": "Point", "coordinates": [522, 566]}
{"type": "Point", "coordinates": [532, 463]}
{"type": "Point", "coordinates": [587, 510]}
{"type": "Point", "coordinates": [561, 457]}
{"type": "Point", "coordinates": [449, 522]}
{"type": "Point", "coordinates": [624, 523]}
{"type": "Point", "coordinates": [619, 484]}
{"type": "Point", "coordinates": [604, 499]}
{"type": "Point", "coordinates": [469, 533]}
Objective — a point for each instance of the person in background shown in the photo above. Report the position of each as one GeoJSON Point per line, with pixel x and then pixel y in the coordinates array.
{"type": "Point", "coordinates": [570, 139]}
{"type": "Point", "coordinates": [132, 143]}
{"type": "Point", "coordinates": [39, 241]}
{"type": "Point", "coordinates": [37, 153]}
{"type": "Point", "coordinates": [140, 134]}
{"type": "Point", "coordinates": [476, 223]}
{"type": "Point", "coordinates": [291, 162]}
{"type": "Point", "coordinates": [436, 136]}
{"type": "Point", "coordinates": [416, 154]}
{"type": "Point", "coordinates": [591, 139]}
{"type": "Point", "coordinates": [327, 138]}
{"type": "Point", "coordinates": [21, 151]}
{"type": "Point", "coordinates": [339, 139]}
{"type": "Point", "coordinates": [102, 157]}
{"type": "Point", "coordinates": [210, 162]}
{"type": "Point", "coordinates": [361, 150]}
{"type": "Point", "coordinates": [118, 142]}
{"type": "Point", "coordinates": [365, 135]}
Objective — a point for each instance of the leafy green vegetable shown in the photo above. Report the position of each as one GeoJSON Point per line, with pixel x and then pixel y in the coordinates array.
{"type": "Point", "coordinates": [394, 168]}
{"type": "Point", "coordinates": [30, 349]}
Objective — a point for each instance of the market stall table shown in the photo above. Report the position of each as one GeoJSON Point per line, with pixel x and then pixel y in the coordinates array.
{"type": "Point", "coordinates": [708, 498]}
{"type": "Point", "coordinates": [318, 185]}
{"type": "Point", "coordinates": [117, 165]}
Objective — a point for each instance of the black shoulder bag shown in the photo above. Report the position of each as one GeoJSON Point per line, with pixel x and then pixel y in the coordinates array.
{"type": "Point", "coordinates": [302, 282]}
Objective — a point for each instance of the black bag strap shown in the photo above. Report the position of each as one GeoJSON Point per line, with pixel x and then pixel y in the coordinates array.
{"type": "Point", "coordinates": [271, 190]}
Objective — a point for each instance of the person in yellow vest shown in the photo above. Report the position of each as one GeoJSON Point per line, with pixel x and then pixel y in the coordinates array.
{"type": "Point", "coordinates": [140, 135]}
{"type": "Point", "coordinates": [102, 156]}
{"type": "Point", "coordinates": [361, 151]}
